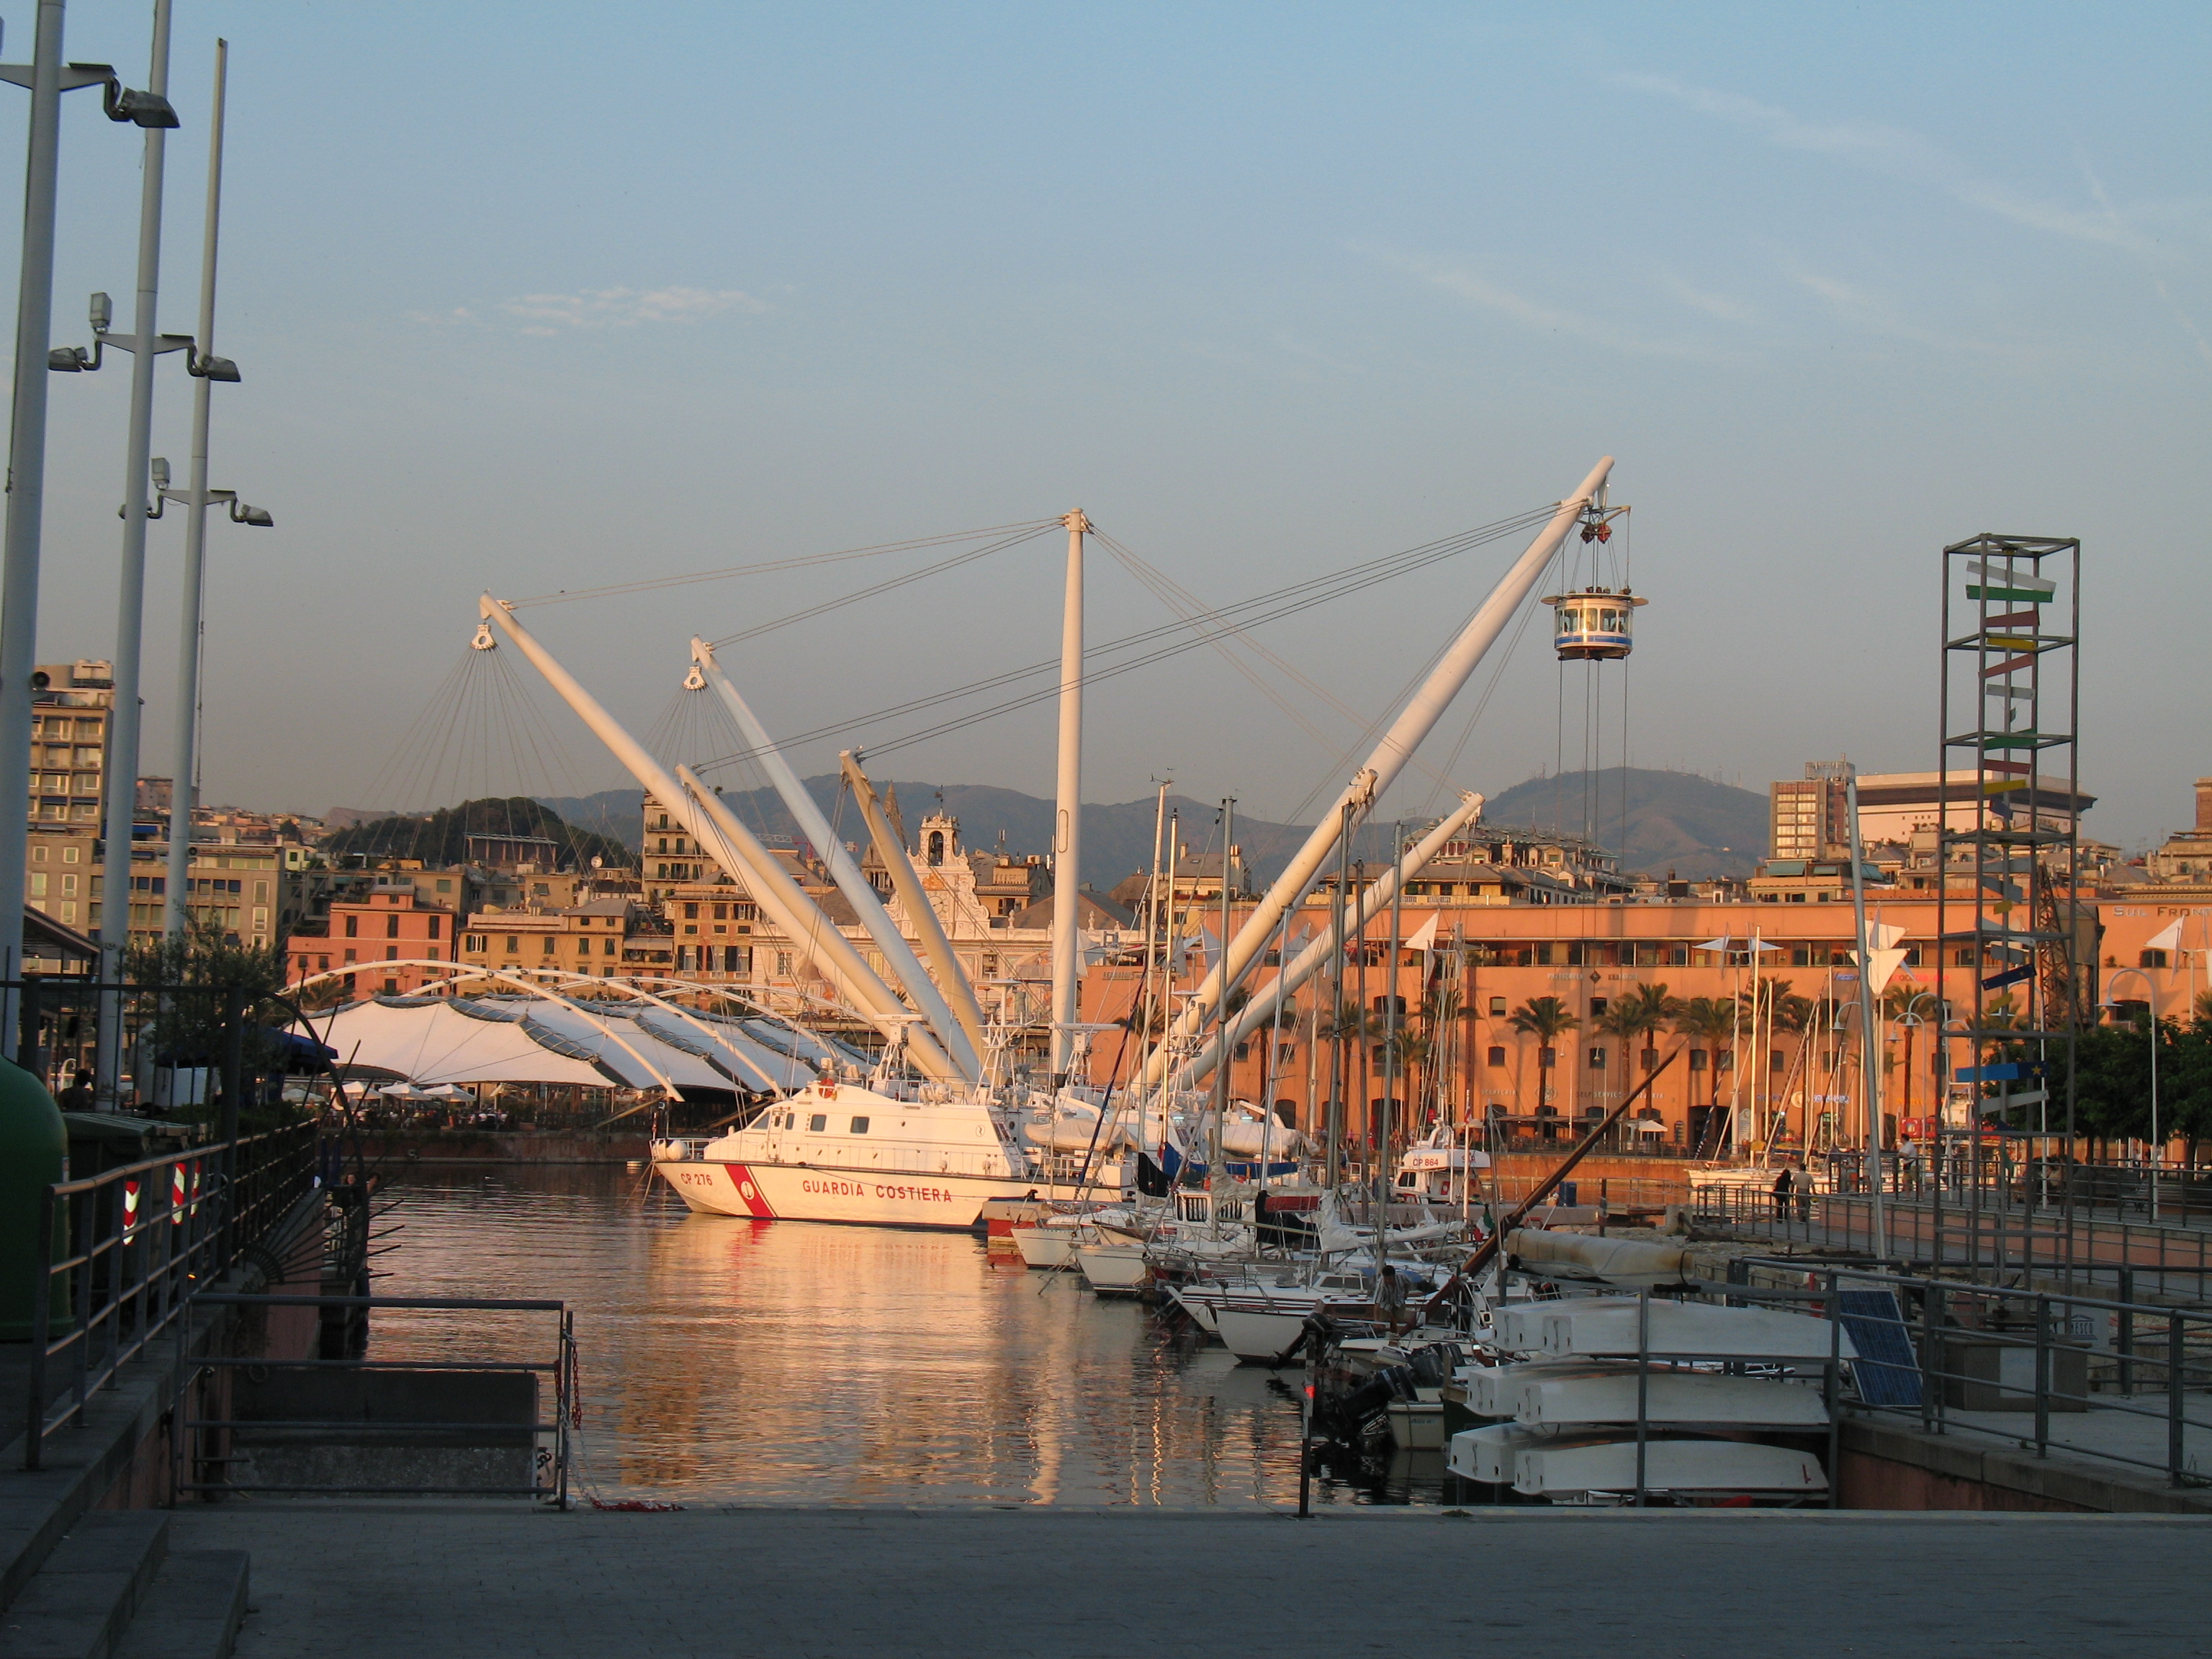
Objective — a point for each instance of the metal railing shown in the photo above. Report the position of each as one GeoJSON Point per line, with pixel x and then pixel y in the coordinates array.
{"type": "Point", "coordinates": [1978, 1351]}
{"type": "Point", "coordinates": [128, 1249]}
{"type": "Point", "coordinates": [1995, 1240]}
{"type": "Point", "coordinates": [208, 1442]}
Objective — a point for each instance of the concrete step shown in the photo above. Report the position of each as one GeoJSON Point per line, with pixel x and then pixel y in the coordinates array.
{"type": "Point", "coordinates": [192, 1609]}
{"type": "Point", "coordinates": [82, 1597]}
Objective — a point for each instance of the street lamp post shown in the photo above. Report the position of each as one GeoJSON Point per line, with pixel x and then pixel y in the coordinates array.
{"type": "Point", "coordinates": [2157, 1146]}
{"type": "Point", "coordinates": [46, 78]}
{"type": "Point", "coordinates": [208, 369]}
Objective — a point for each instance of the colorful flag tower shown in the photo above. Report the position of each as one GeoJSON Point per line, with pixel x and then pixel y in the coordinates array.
{"type": "Point", "coordinates": [2016, 988]}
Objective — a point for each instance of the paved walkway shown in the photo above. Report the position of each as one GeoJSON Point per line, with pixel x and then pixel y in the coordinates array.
{"type": "Point", "coordinates": [374, 1580]}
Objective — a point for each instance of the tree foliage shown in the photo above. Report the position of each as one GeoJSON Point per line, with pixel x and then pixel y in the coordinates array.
{"type": "Point", "coordinates": [441, 837]}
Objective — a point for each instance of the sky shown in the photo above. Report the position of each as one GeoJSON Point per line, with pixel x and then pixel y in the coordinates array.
{"type": "Point", "coordinates": [561, 297]}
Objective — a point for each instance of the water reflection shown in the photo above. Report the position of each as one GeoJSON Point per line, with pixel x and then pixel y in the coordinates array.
{"type": "Point", "coordinates": [760, 1361]}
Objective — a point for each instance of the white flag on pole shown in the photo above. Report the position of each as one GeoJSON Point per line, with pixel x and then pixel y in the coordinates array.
{"type": "Point", "coordinates": [1423, 938]}
{"type": "Point", "coordinates": [1885, 964]}
{"type": "Point", "coordinates": [1883, 934]}
{"type": "Point", "coordinates": [2168, 938]}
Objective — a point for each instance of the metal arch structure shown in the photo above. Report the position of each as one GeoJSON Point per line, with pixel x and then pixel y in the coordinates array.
{"type": "Point", "coordinates": [566, 979]}
{"type": "Point", "coordinates": [460, 971]}
{"type": "Point", "coordinates": [729, 993]}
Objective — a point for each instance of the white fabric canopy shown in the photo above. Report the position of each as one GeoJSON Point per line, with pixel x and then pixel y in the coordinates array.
{"type": "Point", "coordinates": [431, 1043]}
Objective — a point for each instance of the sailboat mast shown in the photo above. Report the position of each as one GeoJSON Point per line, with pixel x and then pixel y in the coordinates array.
{"type": "Point", "coordinates": [1337, 1079]}
{"type": "Point", "coordinates": [1221, 1072]}
{"type": "Point", "coordinates": [1067, 823]}
{"type": "Point", "coordinates": [1148, 997]}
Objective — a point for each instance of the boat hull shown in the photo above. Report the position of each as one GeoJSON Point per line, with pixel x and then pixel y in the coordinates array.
{"type": "Point", "coordinates": [874, 1198]}
{"type": "Point", "coordinates": [1049, 1248]}
{"type": "Point", "coordinates": [1114, 1269]}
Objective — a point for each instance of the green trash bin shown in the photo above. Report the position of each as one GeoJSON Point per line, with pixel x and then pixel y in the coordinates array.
{"type": "Point", "coordinates": [34, 1155]}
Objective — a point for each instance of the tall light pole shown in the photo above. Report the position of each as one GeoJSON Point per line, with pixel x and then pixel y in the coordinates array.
{"type": "Point", "coordinates": [1870, 1045]}
{"type": "Point", "coordinates": [2157, 1146]}
{"type": "Point", "coordinates": [144, 345]}
{"type": "Point", "coordinates": [207, 368]}
{"type": "Point", "coordinates": [46, 78]}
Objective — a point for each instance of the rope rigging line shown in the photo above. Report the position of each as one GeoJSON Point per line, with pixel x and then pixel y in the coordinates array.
{"type": "Point", "coordinates": [1247, 613]}
{"type": "Point", "coordinates": [769, 567]}
{"type": "Point", "coordinates": [911, 577]}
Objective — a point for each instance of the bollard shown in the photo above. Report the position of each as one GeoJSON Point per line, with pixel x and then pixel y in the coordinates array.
{"type": "Point", "coordinates": [2174, 1331]}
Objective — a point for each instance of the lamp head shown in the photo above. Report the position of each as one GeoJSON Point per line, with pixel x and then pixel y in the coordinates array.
{"type": "Point", "coordinates": [141, 109]}
{"type": "Point", "coordinates": [160, 470]}
{"type": "Point", "coordinates": [259, 517]}
{"type": "Point", "coordinates": [102, 310]}
{"type": "Point", "coordinates": [216, 369]}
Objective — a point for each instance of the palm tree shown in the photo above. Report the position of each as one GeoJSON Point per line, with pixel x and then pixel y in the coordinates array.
{"type": "Point", "coordinates": [1635, 1017]}
{"type": "Point", "coordinates": [1547, 1019]}
{"type": "Point", "coordinates": [1713, 1021]}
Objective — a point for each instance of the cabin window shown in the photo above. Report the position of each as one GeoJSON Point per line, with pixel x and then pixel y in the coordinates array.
{"type": "Point", "coordinates": [860, 1126]}
{"type": "Point", "coordinates": [818, 1123]}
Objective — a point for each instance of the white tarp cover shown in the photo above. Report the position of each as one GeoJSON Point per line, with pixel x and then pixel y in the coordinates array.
{"type": "Point", "coordinates": [430, 1043]}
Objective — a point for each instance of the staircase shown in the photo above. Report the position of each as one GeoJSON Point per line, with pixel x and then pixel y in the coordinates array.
{"type": "Point", "coordinates": [111, 1587]}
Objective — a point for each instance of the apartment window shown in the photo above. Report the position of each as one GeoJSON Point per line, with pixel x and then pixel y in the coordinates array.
{"type": "Point", "coordinates": [348, 956]}
{"type": "Point", "coordinates": [1497, 1056]}
{"type": "Point", "coordinates": [391, 925]}
{"type": "Point", "coordinates": [606, 945]}
{"type": "Point", "coordinates": [1697, 1060]}
{"type": "Point", "coordinates": [1597, 1006]}
{"type": "Point", "coordinates": [445, 885]}
{"type": "Point", "coordinates": [392, 987]}
{"type": "Point", "coordinates": [1547, 1056]}
{"type": "Point", "coordinates": [721, 913]}
{"type": "Point", "coordinates": [549, 944]}
{"type": "Point", "coordinates": [514, 943]}
{"type": "Point", "coordinates": [392, 953]}
{"type": "Point", "coordinates": [1497, 1007]}
{"type": "Point", "coordinates": [1776, 1061]}
{"type": "Point", "coordinates": [37, 884]}
{"type": "Point", "coordinates": [783, 962]}
{"type": "Point", "coordinates": [2147, 959]}
{"type": "Point", "coordinates": [818, 1123]}
{"type": "Point", "coordinates": [860, 1126]}
{"type": "Point", "coordinates": [473, 942]}
{"type": "Point", "coordinates": [739, 960]}
{"type": "Point", "coordinates": [353, 927]}
{"type": "Point", "coordinates": [1596, 1060]}
{"type": "Point", "coordinates": [435, 920]}
{"type": "Point", "coordinates": [38, 854]}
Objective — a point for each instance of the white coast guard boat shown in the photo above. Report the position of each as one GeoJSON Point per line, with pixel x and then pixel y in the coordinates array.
{"type": "Point", "coordinates": [837, 1152]}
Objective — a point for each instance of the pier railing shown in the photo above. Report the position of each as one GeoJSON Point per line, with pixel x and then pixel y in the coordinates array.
{"type": "Point", "coordinates": [2109, 1381]}
{"type": "Point", "coordinates": [128, 1249]}
{"type": "Point", "coordinates": [443, 1417]}
{"type": "Point", "coordinates": [1991, 1239]}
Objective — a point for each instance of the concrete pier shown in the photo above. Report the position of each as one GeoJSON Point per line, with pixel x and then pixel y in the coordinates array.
{"type": "Point", "coordinates": [389, 1581]}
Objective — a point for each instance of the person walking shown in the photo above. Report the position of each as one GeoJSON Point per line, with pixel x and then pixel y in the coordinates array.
{"type": "Point", "coordinates": [1782, 1194]}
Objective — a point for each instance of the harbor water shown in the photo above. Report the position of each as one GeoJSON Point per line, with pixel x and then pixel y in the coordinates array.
{"type": "Point", "coordinates": [727, 1361]}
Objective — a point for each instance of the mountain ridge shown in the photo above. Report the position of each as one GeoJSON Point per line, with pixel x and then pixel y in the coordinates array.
{"type": "Point", "coordinates": [1676, 821]}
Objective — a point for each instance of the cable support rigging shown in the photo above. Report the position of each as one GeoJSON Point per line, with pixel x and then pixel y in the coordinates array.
{"type": "Point", "coordinates": [1253, 612]}
{"type": "Point", "coordinates": [769, 567]}
{"type": "Point", "coordinates": [911, 577]}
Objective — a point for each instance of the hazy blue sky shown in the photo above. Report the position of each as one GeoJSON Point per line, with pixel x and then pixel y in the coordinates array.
{"type": "Point", "coordinates": [548, 296]}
